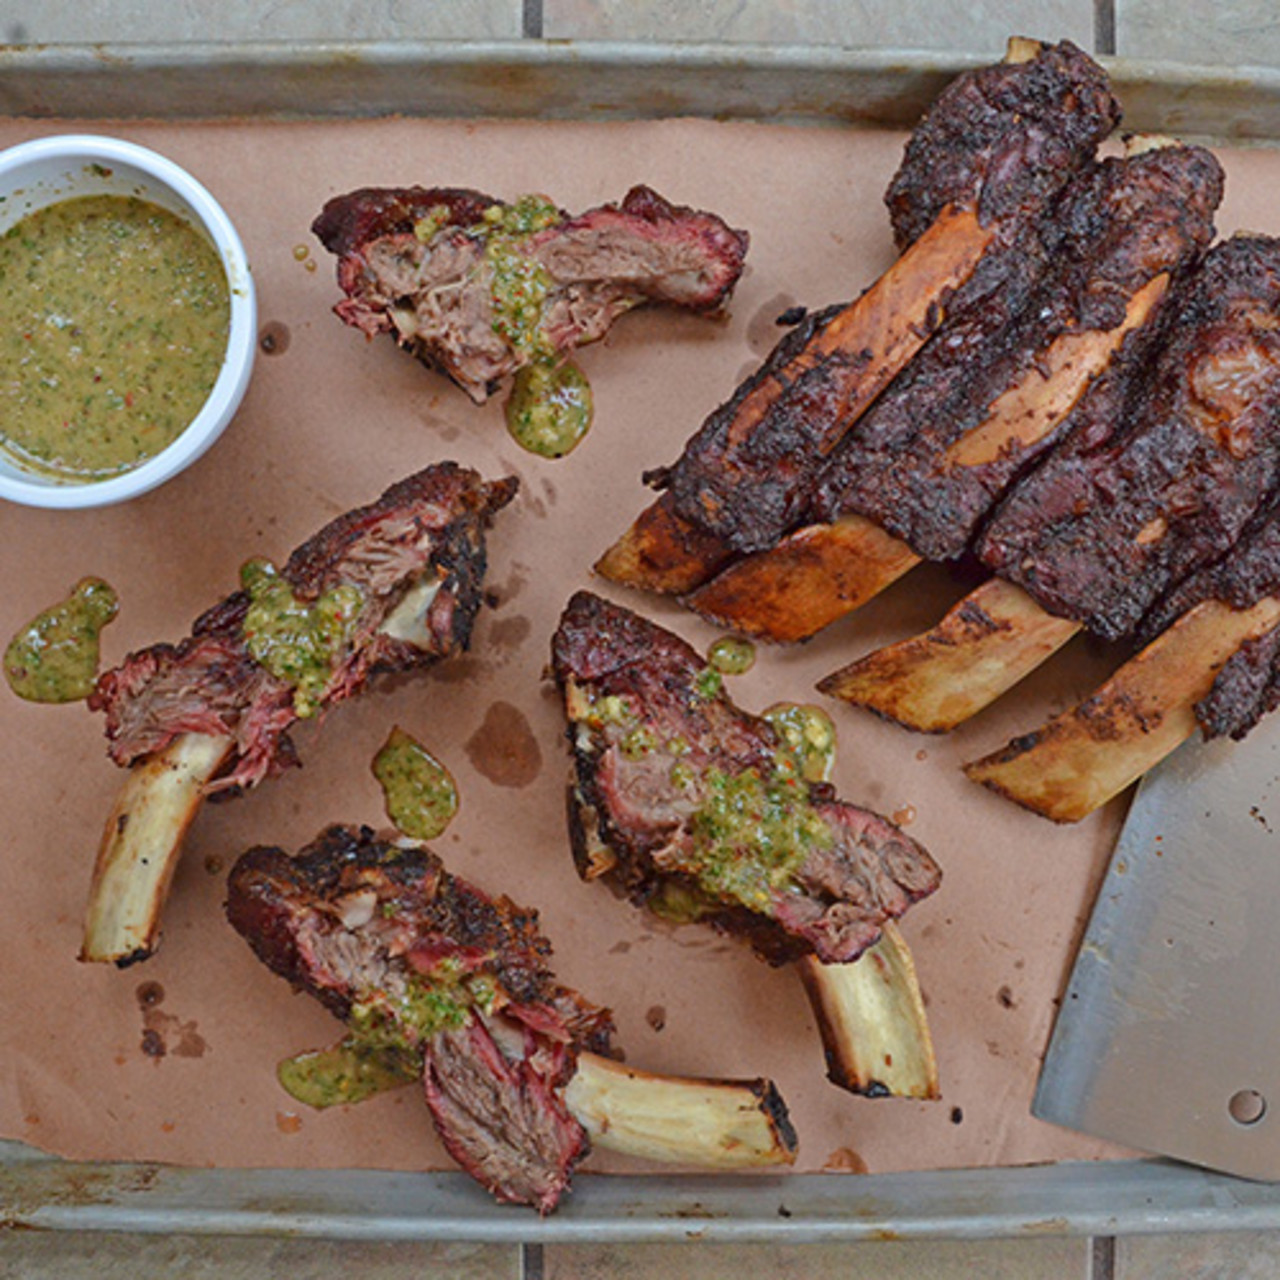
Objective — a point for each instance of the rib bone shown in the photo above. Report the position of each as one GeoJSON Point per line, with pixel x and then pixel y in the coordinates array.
{"type": "Point", "coordinates": [982, 647]}
{"type": "Point", "coordinates": [722, 1124]}
{"type": "Point", "coordinates": [1080, 759]}
{"type": "Point", "coordinates": [872, 1019]}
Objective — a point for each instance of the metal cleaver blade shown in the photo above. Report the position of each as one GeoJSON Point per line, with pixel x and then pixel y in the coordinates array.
{"type": "Point", "coordinates": [1168, 1038]}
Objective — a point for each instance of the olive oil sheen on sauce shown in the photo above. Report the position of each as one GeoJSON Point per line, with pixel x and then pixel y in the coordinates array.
{"type": "Point", "coordinates": [114, 315]}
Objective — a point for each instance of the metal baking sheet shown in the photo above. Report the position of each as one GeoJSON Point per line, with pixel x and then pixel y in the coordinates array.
{"type": "Point", "coordinates": [603, 81]}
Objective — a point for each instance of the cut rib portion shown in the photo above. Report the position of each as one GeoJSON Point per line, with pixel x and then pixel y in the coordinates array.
{"type": "Point", "coordinates": [412, 957]}
{"type": "Point", "coordinates": [1004, 140]}
{"type": "Point", "coordinates": [207, 715]}
{"type": "Point", "coordinates": [700, 811]}
{"type": "Point", "coordinates": [476, 289]}
{"type": "Point", "coordinates": [457, 983]}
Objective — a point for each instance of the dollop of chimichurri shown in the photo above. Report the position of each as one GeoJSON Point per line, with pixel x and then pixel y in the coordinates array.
{"type": "Point", "coordinates": [549, 409]}
{"type": "Point", "coordinates": [423, 1004]}
{"type": "Point", "coordinates": [732, 655]}
{"type": "Point", "coordinates": [54, 658]}
{"type": "Point", "coordinates": [298, 641]}
{"type": "Point", "coordinates": [809, 734]}
{"type": "Point", "coordinates": [752, 832]}
{"type": "Point", "coordinates": [114, 315]}
{"type": "Point", "coordinates": [550, 406]}
{"type": "Point", "coordinates": [387, 1030]}
{"type": "Point", "coordinates": [420, 794]}
{"type": "Point", "coordinates": [349, 1071]}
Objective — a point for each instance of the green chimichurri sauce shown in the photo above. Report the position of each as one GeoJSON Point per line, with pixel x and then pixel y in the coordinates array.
{"type": "Point", "coordinates": [810, 736]}
{"type": "Point", "coordinates": [298, 641]}
{"type": "Point", "coordinates": [550, 407]}
{"type": "Point", "coordinates": [419, 792]}
{"type": "Point", "coordinates": [349, 1071]}
{"type": "Point", "coordinates": [732, 655]}
{"type": "Point", "coordinates": [385, 1036]}
{"type": "Point", "coordinates": [751, 833]}
{"type": "Point", "coordinates": [54, 658]}
{"type": "Point", "coordinates": [114, 316]}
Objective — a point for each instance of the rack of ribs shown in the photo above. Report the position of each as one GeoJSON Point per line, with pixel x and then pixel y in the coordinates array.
{"type": "Point", "coordinates": [390, 587]}
{"type": "Point", "coordinates": [989, 157]}
{"type": "Point", "coordinates": [453, 987]}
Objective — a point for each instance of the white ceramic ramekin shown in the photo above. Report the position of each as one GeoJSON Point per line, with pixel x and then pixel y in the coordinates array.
{"type": "Point", "coordinates": [47, 170]}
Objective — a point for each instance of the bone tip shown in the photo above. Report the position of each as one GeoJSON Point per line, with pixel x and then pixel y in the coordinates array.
{"type": "Point", "coordinates": [1138, 144]}
{"type": "Point", "coordinates": [1022, 49]}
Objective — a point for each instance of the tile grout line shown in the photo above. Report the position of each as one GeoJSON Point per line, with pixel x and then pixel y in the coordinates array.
{"type": "Point", "coordinates": [531, 20]}
{"type": "Point", "coordinates": [1104, 27]}
{"type": "Point", "coordinates": [1102, 1260]}
{"type": "Point", "coordinates": [531, 1262]}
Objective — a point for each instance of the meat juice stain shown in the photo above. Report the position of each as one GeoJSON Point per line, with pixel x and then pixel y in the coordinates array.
{"type": "Point", "coordinates": [165, 1033]}
{"type": "Point", "coordinates": [274, 338]}
{"type": "Point", "coordinates": [762, 328]}
{"type": "Point", "coordinates": [503, 749]}
{"type": "Point", "coordinates": [845, 1160]}
{"type": "Point", "coordinates": [656, 1017]}
{"type": "Point", "coordinates": [509, 633]}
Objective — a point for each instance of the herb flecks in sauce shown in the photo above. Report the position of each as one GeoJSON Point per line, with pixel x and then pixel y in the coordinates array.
{"type": "Point", "coordinates": [349, 1071]}
{"type": "Point", "coordinates": [54, 658]}
{"type": "Point", "coordinates": [550, 408]}
{"type": "Point", "coordinates": [405, 1018]}
{"type": "Point", "coordinates": [809, 734]}
{"type": "Point", "coordinates": [732, 655]}
{"type": "Point", "coordinates": [420, 794]}
{"type": "Point", "coordinates": [753, 830]}
{"type": "Point", "coordinates": [300, 642]}
{"type": "Point", "coordinates": [752, 833]}
{"type": "Point", "coordinates": [115, 315]}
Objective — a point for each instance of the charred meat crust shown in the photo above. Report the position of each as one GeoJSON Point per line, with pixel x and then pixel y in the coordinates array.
{"type": "Point", "coordinates": [748, 484]}
{"type": "Point", "coordinates": [429, 526]}
{"type": "Point", "coordinates": [1248, 685]}
{"type": "Point", "coordinates": [1244, 690]}
{"type": "Point", "coordinates": [353, 919]}
{"type": "Point", "coordinates": [838, 896]}
{"type": "Point", "coordinates": [412, 262]}
{"type": "Point", "coordinates": [1001, 138]}
{"type": "Point", "coordinates": [273, 896]}
{"type": "Point", "coordinates": [1165, 465]}
{"type": "Point", "coordinates": [1117, 227]}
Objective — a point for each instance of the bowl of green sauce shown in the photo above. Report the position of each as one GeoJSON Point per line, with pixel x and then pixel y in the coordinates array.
{"type": "Point", "coordinates": [127, 317]}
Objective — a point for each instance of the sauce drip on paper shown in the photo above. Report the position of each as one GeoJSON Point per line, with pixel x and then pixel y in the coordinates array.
{"type": "Point", "coordinates": [420, 794]}
{"type": "Point", "coordinates": [54, 658]}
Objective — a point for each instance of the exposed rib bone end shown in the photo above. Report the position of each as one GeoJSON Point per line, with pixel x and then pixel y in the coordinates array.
{"type": "Point", "coordinates": [1022, 49]}
{"type": "Point", "coordinates": [721, 1124]}
{"type": "Point", "coordinates": [809, 580]}
{"type": "Point", "coordinates": [141, 844]}
{"type": "Point", "coordinates": [872, 1020]}
{"type": "Point", "coordinates": [1081, 759]}
{"type": "Point", "coordinates": [663, 553]}
{"type": "Point", "coordinates": [933, 682]}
